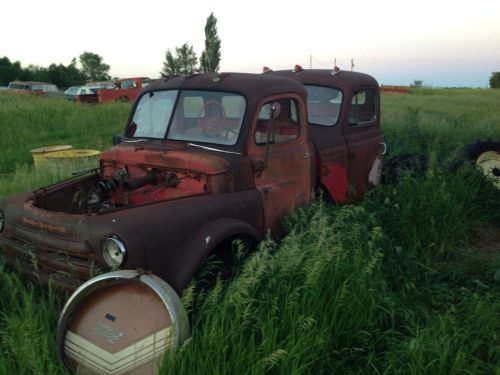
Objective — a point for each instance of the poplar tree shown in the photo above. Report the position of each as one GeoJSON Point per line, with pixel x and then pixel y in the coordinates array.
{"type": "Point", "coordinates": [210, 58]}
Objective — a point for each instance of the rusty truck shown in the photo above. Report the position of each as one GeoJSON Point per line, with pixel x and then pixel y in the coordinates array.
{"type": "Point", "coordinates": [125, 90]}
{"type": "Point", "coordinates": [204, 159]}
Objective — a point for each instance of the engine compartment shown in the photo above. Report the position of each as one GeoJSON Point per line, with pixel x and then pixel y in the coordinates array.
{"type": "Point", "coordinates": [118, 186]}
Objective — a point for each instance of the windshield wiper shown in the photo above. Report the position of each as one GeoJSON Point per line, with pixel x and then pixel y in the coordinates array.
{"type": "Point", "coordinates": [135, 140]}
{"type": "Point", "coordinates": [212, 149]}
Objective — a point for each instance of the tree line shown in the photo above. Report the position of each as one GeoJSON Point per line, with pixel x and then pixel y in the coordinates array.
{"type": "Point", "coordinates": [91, 67]}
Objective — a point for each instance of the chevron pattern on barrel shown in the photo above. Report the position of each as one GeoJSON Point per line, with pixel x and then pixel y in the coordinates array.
{"type": "Point", "coordinates": [100, 361]}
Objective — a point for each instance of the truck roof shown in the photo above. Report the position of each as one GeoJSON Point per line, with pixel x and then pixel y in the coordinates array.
{"type": "Point", "coordinates": [342, 78]}
{"type": "Point", "coordinates": [251, 86]}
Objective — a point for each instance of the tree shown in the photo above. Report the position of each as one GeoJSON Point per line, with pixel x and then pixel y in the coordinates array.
{"type": "Point", "coordinates": [34, 73]}
{"type": "Point", "coordinates": [184, 63]}
{"type": "Point", "coordinates": [65, 76]}
{"type": "Point", "coordinates": [210, 57]}
{"type": "Point", "coordinates": [495, 80]}
{"type": "Point", "coordinates": [9, 71]}
{"type": "Point", "coordinates": [93, 67]}
{"type": "Point", "coordinates": [417, 83]}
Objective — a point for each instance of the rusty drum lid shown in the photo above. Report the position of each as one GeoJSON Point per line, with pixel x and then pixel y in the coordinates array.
{"type": "Point", "coordinates": [121, 323]}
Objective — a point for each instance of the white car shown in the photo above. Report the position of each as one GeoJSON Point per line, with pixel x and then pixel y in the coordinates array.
{"type": "Point", "coordinates": [77, 93]}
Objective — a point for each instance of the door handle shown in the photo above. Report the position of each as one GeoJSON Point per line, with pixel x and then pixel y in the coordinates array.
{"type": "Point", "coordinates": [307, 155]}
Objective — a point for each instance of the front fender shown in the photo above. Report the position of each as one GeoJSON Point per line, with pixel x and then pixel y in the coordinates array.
{"type": "Point", "coordinates": [201, 244]}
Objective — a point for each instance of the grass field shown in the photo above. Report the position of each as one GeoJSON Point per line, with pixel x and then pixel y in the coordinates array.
{"type": "Point", "coordinates": [405, 282]}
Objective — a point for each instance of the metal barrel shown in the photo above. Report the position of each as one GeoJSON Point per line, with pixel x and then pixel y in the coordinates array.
{"type": "Point", "coordinates": [39, 154]}
{"type": "Point", "coordinates": [72, 160]}
{"type": "Point", "coordinates": [121, 322]}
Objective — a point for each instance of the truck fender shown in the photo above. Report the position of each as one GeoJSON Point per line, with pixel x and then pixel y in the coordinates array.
{"type": "Point", "coordinates": [375, 173]}
{"type": "Point", "coordinates": [201, 244]}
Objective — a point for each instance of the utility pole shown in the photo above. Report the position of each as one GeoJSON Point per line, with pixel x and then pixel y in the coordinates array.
{"type": "Point", "coordinates": [310, 61]}
{"type": "Point", "coordinates": [352, 64]}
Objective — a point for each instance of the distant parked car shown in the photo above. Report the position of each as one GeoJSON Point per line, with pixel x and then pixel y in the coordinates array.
{"type": "Point", "coordinates": [81, 94]}
{"type": "Point", "coordinates": [72, 92]}
{"type": "Point", "coordinates": [126, 90]}
{"type": "Point", "coordinates": [39, 88]}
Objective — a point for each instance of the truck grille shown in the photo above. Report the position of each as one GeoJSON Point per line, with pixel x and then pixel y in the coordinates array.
{"type": "Point", "coordinates": [42, 261]}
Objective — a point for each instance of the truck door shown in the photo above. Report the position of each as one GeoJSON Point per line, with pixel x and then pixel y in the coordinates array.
{"type": "Point", "coordinates": [283, 157]}
{"type": "Point", "coordinates": [364, 140]}
{"type": "Point", "coordinates": [325, 118]}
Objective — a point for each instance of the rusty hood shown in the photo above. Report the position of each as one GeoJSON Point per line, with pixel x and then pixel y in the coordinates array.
{"type": "Point", "coordinates": [192, 160]}
{"type": "Point", "coordinates": [219, 171]}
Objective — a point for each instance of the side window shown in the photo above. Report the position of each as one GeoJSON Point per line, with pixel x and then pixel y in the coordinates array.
{"type": "Point", "coordinates": [128, 84]}
{"type": "Point", "coordinates": [283, 128]}
{"type": "Point", "coordinates": [363, 107]}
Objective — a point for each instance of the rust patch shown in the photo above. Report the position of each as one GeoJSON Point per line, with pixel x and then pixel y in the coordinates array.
{"type": "Point", "coordinates": [49, 227]}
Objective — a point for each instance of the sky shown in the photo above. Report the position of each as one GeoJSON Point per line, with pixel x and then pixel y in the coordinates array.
{"type": "Point", "coordinates": [442, 42]}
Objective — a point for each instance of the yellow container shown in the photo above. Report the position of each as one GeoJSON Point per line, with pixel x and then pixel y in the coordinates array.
{"type": "Point", "coordinates": [72, 160]}
{"type": "Point", "coordinates": [39, 154]}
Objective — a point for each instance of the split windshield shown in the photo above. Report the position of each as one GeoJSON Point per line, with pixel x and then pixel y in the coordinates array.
{"type": "Point", "coordinates": [189, 115]}
{"type": "Point", "coordinates": [323, 105]}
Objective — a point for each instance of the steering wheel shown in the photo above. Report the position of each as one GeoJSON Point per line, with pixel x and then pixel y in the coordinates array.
{"type": "Point", "coordinates": [213, 122]}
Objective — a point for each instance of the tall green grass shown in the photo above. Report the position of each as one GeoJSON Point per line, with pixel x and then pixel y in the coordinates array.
{"type": "Point", "coordinates": [405, 282]}
{"type": "Point", "coordinates": [29, 122]}
{"type": "Point", "coordinates": [438, 122]}
{"type": "Point", "coordinates": [361, 289]}
{"type": "Point", "coordinates": [28, 318]}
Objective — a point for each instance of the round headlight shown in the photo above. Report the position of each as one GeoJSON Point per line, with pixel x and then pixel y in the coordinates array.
{"type": "Point", "coordinates": [113, 251]}
{"type": "Point", "coordinates": [2, 220]}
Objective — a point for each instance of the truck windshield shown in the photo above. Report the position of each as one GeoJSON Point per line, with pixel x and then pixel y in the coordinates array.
{"type": "Point", "coordinates": [152, 115]}
{"type": "Point", "coordinates": [199, 116]}
{"type": "Point", "coordinates": [323, 105]}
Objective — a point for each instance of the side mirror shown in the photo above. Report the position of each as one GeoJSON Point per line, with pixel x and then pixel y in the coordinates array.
{"type": "Point", "coordinates": [117, 139]}
{"type": "Point", "coordinates": [275, 110]}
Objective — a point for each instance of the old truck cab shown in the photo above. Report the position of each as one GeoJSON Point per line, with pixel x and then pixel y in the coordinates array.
{"type": "Point", "coordinates": [344, 117]}
{"type": "Point", "coordinates": [205, 159]}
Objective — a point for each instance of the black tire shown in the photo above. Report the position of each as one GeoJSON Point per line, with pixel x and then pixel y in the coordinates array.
{"type": "Point", "coordinates": [225, 261]}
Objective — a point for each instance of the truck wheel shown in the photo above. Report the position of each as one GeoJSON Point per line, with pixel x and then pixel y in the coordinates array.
{"type": "Point", "coordinates": [224, 261]}
{"type": "Point", "coordinates": [123, 321]}
{"type": "Point", "coordinates": [486, 155]}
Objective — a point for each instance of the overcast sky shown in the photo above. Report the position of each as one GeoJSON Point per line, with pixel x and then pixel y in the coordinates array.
{"type": "Point", "coordinates": [442, 42]}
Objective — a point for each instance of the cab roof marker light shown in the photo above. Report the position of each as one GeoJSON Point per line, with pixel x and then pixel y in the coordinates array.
{"type": "Point", "coordinates": [335, 70]}
{"type": "Point", "coordinates": [297, 68]}
{"type": "Point", "coordinates": [220, 76]}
